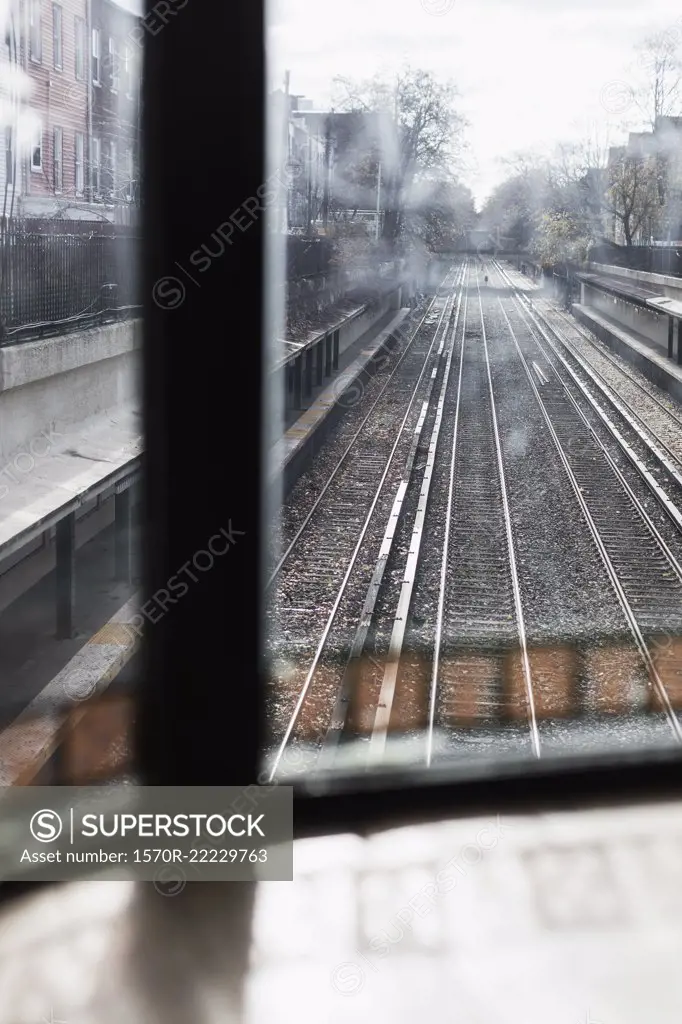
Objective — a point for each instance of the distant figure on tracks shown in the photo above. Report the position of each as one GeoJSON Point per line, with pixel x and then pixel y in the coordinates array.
{"type": "Point", "coordinates": [486, 278]}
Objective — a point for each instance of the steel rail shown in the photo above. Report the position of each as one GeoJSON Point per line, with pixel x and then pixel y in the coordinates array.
{"type": "Point", "coordinates": [332, 615]}
{"type": "Point", "coordinates": [612, 572]}
{"type": "Point", "coordinates": [520, 622]}
{"type": "Point", "coordinates": [284, 558]}
{"type": "Point", "coordinates": [388, 686]}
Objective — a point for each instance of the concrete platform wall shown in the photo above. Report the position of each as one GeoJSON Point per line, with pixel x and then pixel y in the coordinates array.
{"type": "Point", "coordinates": [669, 286]}
{"type": "Point", "coordinates": [352, 330]}
{"type": "Point", "coordinates": [630, 316]}
{"type": "Point", "coordinates": [56, 383]}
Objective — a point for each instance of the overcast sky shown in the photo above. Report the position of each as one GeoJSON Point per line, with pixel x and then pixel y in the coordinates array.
{"type": "Point", "coordinates": [530, 72]}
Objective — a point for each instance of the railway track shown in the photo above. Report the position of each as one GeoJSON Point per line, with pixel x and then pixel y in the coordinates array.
{"type": "Point", "coordinates": [391, 385]}
{"type": "Point", "coordinates": [316, 580]}
{"type": "Point", "coordinates": [647, 448]}
{"type": "Point", "coordinates": [643, 399]}
{"type": "Point", "coordinates": [420, 593]}
{"type": "Point", "coordinates": [480, 611]}
{"type": "Point", "coordinates": [644, 572]}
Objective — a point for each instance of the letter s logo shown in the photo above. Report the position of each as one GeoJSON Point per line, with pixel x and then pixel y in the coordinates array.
{"type": "Point", "coordinates": [45, 826]}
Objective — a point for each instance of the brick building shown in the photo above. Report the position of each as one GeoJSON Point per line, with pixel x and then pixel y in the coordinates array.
{"type": "Point", "coordinates": [116, 83]}
{"type": "Point", "coordinates": [70, 133]}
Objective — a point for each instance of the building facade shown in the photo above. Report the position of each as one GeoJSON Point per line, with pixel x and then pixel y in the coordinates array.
{"type": "Point", "coordinates": [654, 188]}
{"type": "Point", "coordinates": [116, 95]}
{"type": "Point", "coordinates": [70, 131]}
{"type": "Point", "coordinates": [334, 166]}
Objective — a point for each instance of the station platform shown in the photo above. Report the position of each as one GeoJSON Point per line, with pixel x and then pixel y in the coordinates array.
{"type": "Point", "coordinates": [304, 435]}
{"type": "Point", "coordinates": [637, 315]}
{"type": "Point", "coordinates": [36, 733]}
{"type": "Point", "coordinates": [630, 290]}
{"type": "Point", "coordinates": [69, 554]}
{"type": "Point", "coordinates": [642, 352]}
{"type": "Point", "coordinates": [41, 487]}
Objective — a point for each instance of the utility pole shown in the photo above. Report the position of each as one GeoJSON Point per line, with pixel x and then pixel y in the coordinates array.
{"type": "Point", "coordinates": [327, 171]}
{"type": "Point", "coordinates": [309, 187]}
{"type": "Point", "coordinates": [376, 236]}
{"type": "Point", "coordinates": [285, 153]}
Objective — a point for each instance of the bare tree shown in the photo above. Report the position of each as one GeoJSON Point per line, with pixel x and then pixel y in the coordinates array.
{"type": "Point", "coordinates": [425, 129]}
{"type": "Point", "coordinates": [440, 213]}
{"type": "Point", "coordinates": [552, 206]}
{"type": "Point", "coordinates": [658, 93]}
{"type": "Point", "coordinates": [632, 195]}
{"type": "Point", "coordinates": [576, 186]}
{"type": "Point", "coordinates": [514, 207]}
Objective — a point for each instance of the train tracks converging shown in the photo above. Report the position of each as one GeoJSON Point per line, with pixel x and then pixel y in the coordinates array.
{"type": "Point", "coordinates": [489, 559]}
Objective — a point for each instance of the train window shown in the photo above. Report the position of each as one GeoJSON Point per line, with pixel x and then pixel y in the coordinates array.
{"type": "Point", "coordinates": [474, 466]}
{"type": "Point", "coordinates": [467, 480]}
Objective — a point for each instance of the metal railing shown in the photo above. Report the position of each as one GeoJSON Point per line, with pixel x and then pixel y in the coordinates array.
{"type": "Point", "coordinates": [61, 276]}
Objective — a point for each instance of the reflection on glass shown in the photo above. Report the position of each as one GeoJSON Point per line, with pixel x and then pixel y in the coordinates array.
{"type": "Point", "coordinates": [477, 552]}
{"type": "Point", "coordinates": [70, 426]}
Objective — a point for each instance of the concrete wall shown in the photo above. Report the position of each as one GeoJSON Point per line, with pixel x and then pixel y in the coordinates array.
{"type": "Point", "coordinates": [669, 286]}
{"type": "Point", "coordinates": [58, 383]}
{"type": "Point", "coordinates": [630, 316]}
{"type": "Point", "coordinates": [353, 329]}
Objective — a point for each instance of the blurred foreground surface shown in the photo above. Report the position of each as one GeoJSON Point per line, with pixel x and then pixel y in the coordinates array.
{"type": "Point", "coordinates": [573, 918]}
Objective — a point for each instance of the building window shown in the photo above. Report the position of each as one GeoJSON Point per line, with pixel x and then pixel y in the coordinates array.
{"type": "Point", "coordinates": [95, 170]}
{"type": "Point", "coordinates": [95, 56]}
{"type": "Point", "coordinates": [127, 70]}
{"type": "Point", "coordinates": [113, 61]}
{"type": "Point", "coordinates": [80, 48]}
{"type": "Point", "coordinates": [57, 159]}
{"type": "Point", "coordinates": [9, 155]}
{"type": "Point", "coordinates": [34, 31]}
{"type": "Point", "coordinates": [37, 149]}
{"type": "Point", "coordinates": [57, 35]}
{"type": "Point", "coordinates": [130, 170]}
{"type": "Point", "coordinates": [78, 166]}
